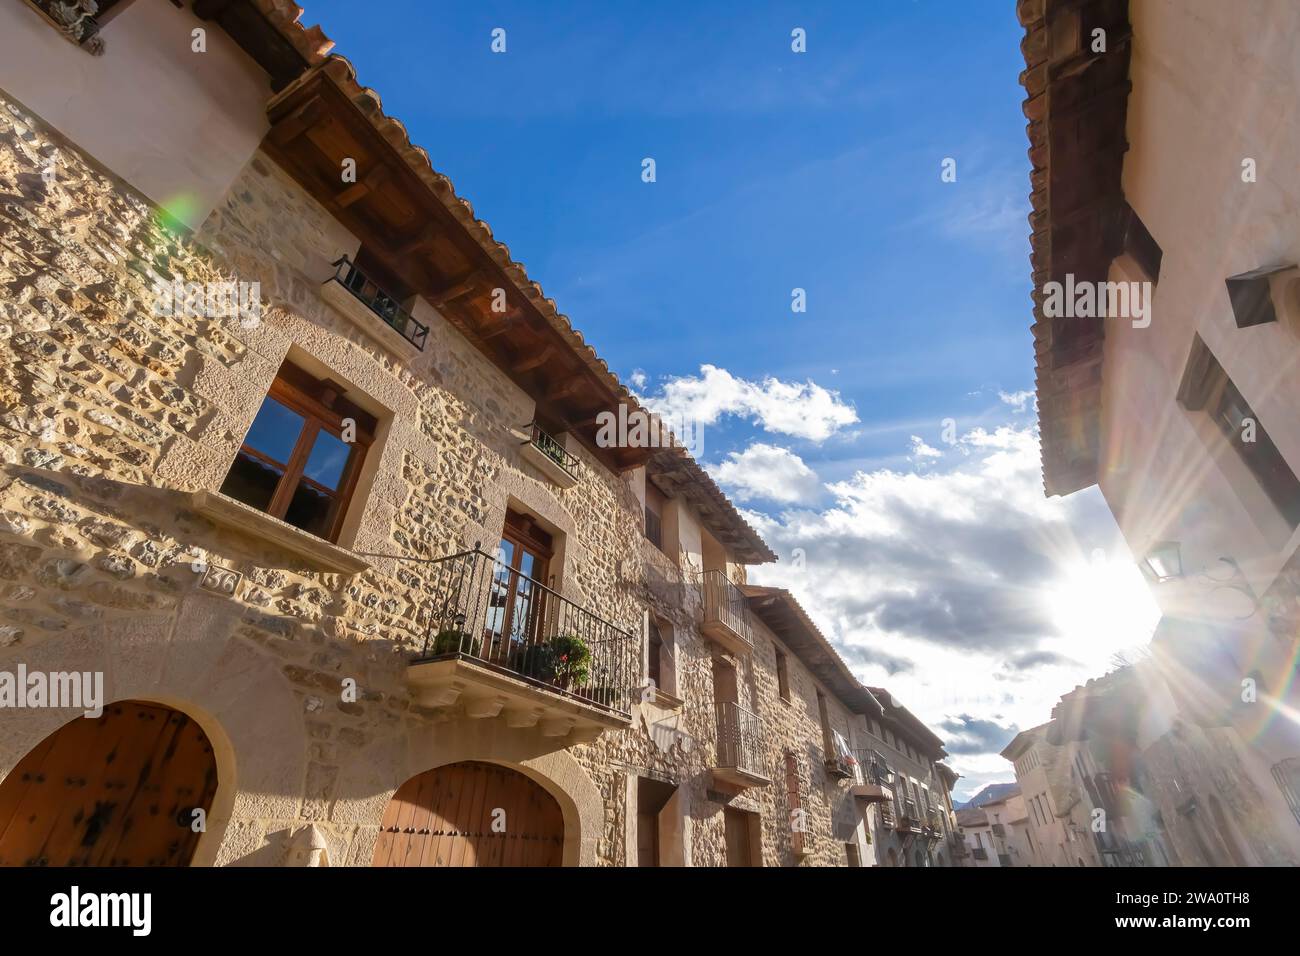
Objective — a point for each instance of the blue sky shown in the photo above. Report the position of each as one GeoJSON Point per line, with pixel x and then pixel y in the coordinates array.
{"type": "Point", "coordinates": [936, 566]}
{"type": "Point", "coordinates": [775, 170]}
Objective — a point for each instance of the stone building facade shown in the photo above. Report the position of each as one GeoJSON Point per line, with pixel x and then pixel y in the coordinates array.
{"type": "Point", "coordinates": [325, 685]}
{"type": "Point", "coordinates": [1161, 169]}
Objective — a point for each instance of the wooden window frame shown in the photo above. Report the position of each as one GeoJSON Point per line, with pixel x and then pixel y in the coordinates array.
{"type": "Point", "coordinates": [522, 531]}
{"type": "Point", "coordinates": [321, 406]}
{"type": "Point", "coordinates": [782, 676]}
{"type": "Point", "coordinates": [654, 516]}
{"type": "Point", "coordinates": [654, 664]}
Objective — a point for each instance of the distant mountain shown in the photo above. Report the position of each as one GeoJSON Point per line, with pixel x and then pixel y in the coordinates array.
{"type": "Point", "coordinates": [994, 791]}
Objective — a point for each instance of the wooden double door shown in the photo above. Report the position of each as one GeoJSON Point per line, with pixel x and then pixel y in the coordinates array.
{"type": "Point", "coordinates": [471, 814]}
{"type": "Point", "coordinates": [115, 790]}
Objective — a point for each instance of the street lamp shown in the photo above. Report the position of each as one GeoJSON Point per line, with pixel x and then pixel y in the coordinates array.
{"type": "Point", "coordinates": [1164, 561]}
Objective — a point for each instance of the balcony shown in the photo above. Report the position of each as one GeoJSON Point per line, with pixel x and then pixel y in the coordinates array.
{"type": "Point", "coordinates": [999, 830]}
{"type": "Point", "coordinates": [934, 823]}
{"type": "Point", "coordinates": [725, 614]}
{"type": "Point", "coordinates": [739, 758]}
{"type": "Point", "coordinates": [362, 301]}
{"type": "Point", "coordinates": [979, 853]}
{"type": "Point", "coordinates": [874, 778]}
{"type": "Point", "coordinates": [840, 766]}
{"type": "Point", "coordinates": [548, 456]}
{"type": "Point", "coordinates": [1106, 793]}
{"type": "Point", "coordinates": [909, 819]}
{"type": "Point", "coordinates": [501, 644]}
{"type": "Point", "coordinates": [887, 814]}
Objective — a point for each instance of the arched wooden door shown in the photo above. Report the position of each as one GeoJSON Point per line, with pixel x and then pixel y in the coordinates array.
{"type": "Point", "coordinates": [115, 790]}
{"type": "Point", "coordinates": [448, 817]}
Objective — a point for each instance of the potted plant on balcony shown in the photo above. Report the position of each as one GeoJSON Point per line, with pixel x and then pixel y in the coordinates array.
{"type": "Point", "coordinates": [453, 641]}
{"type": "Point", "coordinates": [534, 660]}
{"type": "Point", "coordinates": [572, 661]}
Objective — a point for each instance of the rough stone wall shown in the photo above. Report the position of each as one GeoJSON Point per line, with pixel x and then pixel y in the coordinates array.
{"type": "Point", "coordinates": [907, 767]}
{"type": "Point", "coordinates": [1200, 762]}
{"type": "Point", "coordinates": [111, 415]}
{"type": "Point", "coordinates": [833, 815]}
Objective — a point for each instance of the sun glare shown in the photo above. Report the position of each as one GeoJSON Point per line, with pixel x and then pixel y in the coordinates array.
{"type": "Point", "coordinates": [1100, 607]}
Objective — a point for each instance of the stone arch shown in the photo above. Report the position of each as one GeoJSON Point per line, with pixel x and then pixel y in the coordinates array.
{"type": "Point", "coordinates": [187, 660]}
{"type": "Point", "coordinates": [555, 771]}
{"type": "Point", "coordinates": [471, 813]}
{"type": "Point", "coordinates": [123, 788]}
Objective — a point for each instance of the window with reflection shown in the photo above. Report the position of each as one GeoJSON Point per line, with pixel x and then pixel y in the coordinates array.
{"type": "Point", "coordinates": [301, 457]}
{"type": "Point", "coordinates": [519, 595]}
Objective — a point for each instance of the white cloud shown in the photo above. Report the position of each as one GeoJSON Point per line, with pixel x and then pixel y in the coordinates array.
{"type": "Point", "coordinates": [799, 409]}
{"type": "Point", "coordinates": [1018, 400]}
{"type": "Point", "coordinates": [962, 588]}
{"type": "Point", "coordinates": [768, 472]}
{"type": "Point", "coordinates": [921, 451]}
{"type": "Point", "coordinates": [638, 378]}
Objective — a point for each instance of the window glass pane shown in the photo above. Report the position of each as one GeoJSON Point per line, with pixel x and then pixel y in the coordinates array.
{"type": "Point", "coordinates": [311, 510]}
{"type": "Point", "coordinates": [328, 458]}
{"type": "Point", "coordinates": [275, 430]}
{"type": "Point", "coordinates": [251, 481]}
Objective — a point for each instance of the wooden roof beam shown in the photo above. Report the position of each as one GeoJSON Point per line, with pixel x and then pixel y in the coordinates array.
{"type": "Point", "coordinates": [537, 358]}
{"type": "Point", "coordinates": [567, 386]}
{"type": "Point", "coordinates": [359, 190]}
{"type": "Point", "coordinates": [457, 289]}
{"type": "Point", "coordinates": [298, 122]}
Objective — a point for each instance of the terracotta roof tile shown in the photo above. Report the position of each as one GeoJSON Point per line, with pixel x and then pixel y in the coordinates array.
{"type": "Point", "coordinates": [312, 44]}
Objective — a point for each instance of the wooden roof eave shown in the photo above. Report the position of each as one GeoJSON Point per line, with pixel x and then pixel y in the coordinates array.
{"type": "Point", "coordinates": [1076, 105]}
{"type": "Point", "coordinates": [314, 125]}
{"type": "Point", "coordinates": [786, 618]}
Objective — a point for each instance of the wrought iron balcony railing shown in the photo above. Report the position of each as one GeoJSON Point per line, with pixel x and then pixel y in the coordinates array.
{"type": "Point", "coordinates": [495, 616]}
{"type": "Point", "coordinates": [840, 766]}
{"type": "Point", "coordinates": [999, 830]}
{"type": "Point", "coordinates": [739, 739]}
{"type": "Point", "coordinates": [552, 449]}
{"type": "Point", "coordinates": [908, 816]}
{"type": "Point", "coordinates": [381, 303]}
{"type": "Point", "coordinates": [980, 853]}
{"type": "Point", "coordinates": [873, 769]}
{"type": "Point", "coordinates": [887, 819]}
{"type": "Point", "coordinates": [724, 607]}
{"type": "Point", "coordinates": [1107, 793]}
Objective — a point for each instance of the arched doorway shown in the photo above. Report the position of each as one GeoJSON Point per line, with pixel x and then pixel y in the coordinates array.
{"type": "Point", "coordinates": [471, 814]}
{"type": "Point", "coordinates": [115, 790]}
